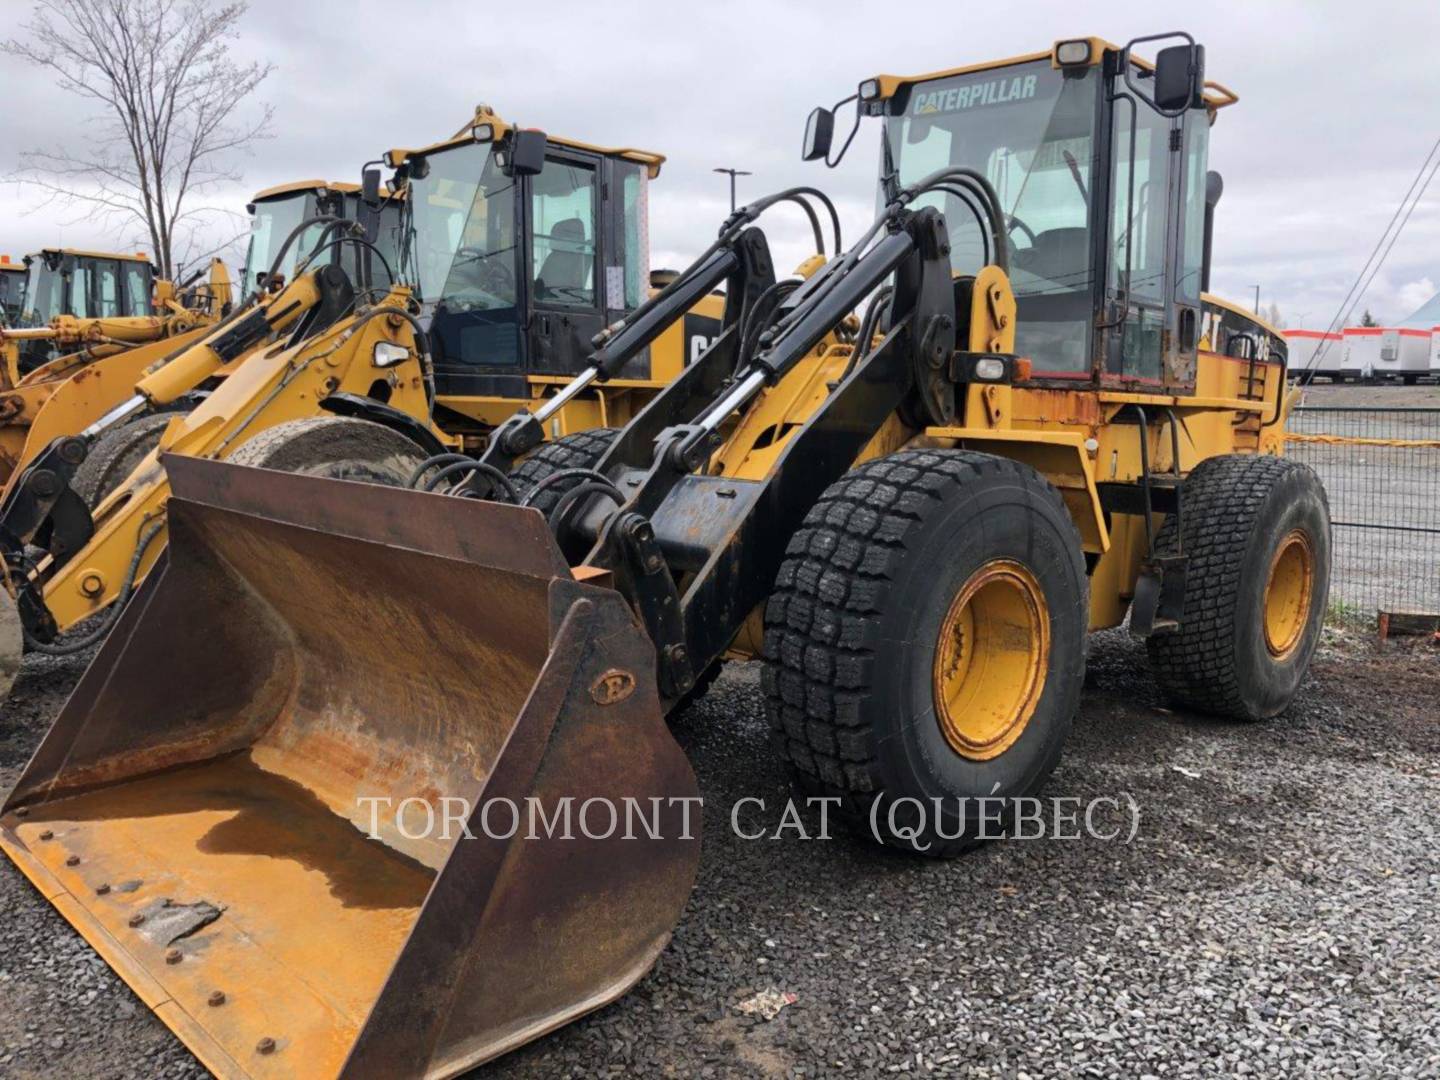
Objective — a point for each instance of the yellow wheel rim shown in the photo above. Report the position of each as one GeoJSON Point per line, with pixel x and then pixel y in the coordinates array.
{"type": "Point", "coordinates": [990, 660]}
{"type": "Point", "coordinates": [1288, 593]}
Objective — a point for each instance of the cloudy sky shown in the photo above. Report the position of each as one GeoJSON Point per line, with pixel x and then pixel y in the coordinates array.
{"type": "Point", "coordinates": [1338, 109]}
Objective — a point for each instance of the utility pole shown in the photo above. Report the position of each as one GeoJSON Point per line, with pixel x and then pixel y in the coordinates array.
{"type": "Point", "coordinates": [1257, 299]}
{"type": "Point", "coordinates": [733, 173]}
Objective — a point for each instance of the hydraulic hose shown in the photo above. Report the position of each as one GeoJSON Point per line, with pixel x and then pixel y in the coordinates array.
{"type": "Point", "coordinates": [322, 219]}
{"type": "Point", "coordinates": [979, 183]}
{"type": "Point", "coordinates": [117, 606]}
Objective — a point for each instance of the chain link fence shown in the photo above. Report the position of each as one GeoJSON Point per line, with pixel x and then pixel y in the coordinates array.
{"type": "Point", "coordinates": [1381, 469]}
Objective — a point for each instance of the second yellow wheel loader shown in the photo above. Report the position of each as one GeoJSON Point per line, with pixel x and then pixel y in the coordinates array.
{"type": "Point", "coordinates": [326, 815]}
{"type": "Point", "coordinates": [79, 535]}
{"type": "Point", "coordinates": [101, 358]}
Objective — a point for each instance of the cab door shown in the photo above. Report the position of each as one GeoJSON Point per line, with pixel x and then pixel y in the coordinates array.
{"type": "Point", "coordinates": [563, 261]}
{"type": "Point", "coordinates": [1156, 240]}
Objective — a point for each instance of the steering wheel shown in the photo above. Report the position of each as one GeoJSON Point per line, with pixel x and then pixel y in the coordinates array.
{"type": "Point", "coordinates": [1013, 223]}
{"type": "Point", "coordinates": [492, 275]}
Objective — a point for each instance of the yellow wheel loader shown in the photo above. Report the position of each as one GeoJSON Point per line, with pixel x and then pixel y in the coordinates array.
{"type": "Point", "coordinates": [84, 284]}
{"type": "Point", "coordinates": [83, 522]}
{"type": "Point", "coordinates": [277, 210]}
{"type": "Point", "coordinates": [101, 359]}
{"type": "Point", "coordinates": [517, 279]}
{"type": "Point", "coordinates": [335, 843]}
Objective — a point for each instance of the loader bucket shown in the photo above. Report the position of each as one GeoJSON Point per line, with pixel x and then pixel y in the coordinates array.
{"type": "Point", "coordinates": [201, 810]}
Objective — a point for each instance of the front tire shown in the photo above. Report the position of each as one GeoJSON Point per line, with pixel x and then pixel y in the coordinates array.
{"type": "Point", "coordinates": [925, 641]}
{"type": "Point", "coordinates": [116, 454]}
{"type": "Point", "coordinates": [1256, 535]}
{"type": "Point", "coordinates": [577, 450]}
{"type": "Point", "coordinates": [337, 447]}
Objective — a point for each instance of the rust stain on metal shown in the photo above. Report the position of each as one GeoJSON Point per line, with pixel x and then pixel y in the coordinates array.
{"type": "Point", "coordinates": [612, 686]}
{"type": "Point", "coordinates": [424, 951]}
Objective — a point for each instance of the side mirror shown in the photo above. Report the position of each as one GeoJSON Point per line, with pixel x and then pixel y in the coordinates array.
{"type": "Point", "coordinates": [370, 187]}
{"type": "Point", "coordinates": [525, 156]}
{"type": "Point", "coordinates": [819, 133]}
{"type": "Point", "coordinates": [1179, 77]}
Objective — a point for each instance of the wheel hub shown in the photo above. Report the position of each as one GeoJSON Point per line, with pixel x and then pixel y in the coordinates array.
{"type": "Point", "coordinates": [1288, 592]}
{"type": "Point", "coordinates": [990, 659]}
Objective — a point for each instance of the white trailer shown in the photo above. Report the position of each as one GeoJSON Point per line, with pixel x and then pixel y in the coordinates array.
{"type": "Point", "coordinates": [1386, 352]}
{"type": "Point", "coordinates": [1315, 354]}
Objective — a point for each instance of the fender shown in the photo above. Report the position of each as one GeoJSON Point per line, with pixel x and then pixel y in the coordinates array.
{"type": "Point", "coordinates": [377, 412]}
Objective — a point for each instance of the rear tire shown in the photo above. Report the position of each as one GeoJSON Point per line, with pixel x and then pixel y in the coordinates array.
{"type": "Point", "coordinates": [336, 447]}
{"type": "Point", "coordinates": [578, 450]}
{"type": "Point", "coordinates": [1257, 538]}
{"type": "Point", "coordinates": [115, 454]}
{"type": "Point", "coordinates": [926, 641]}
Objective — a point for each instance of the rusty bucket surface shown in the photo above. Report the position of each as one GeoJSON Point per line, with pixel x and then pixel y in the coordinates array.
{"type": "Point", "coordinates": [210, 808]}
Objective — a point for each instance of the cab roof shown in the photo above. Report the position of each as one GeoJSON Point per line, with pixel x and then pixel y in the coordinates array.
{"type": "Point", "coordinates": [1217, 96]}
{"type": "Point", "coordinates": [305, 185]}
{"type": "Point", "coordinates": [81, 253]}
{"type": "Point", "coordinates": [484, 114]}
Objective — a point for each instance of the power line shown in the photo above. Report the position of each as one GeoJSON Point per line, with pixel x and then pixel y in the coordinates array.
{"type": "Point", "coordinates": [1362, 282]}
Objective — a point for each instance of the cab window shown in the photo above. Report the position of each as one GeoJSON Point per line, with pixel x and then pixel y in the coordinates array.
{"type": "Point", "coordinates": [137, 289]}
{"type": "Point", "coordinates": [563, 216]}
{"type": "Point", "coordinates": [1029, 129]}
{"type": "Point", "coordinates": [80, 290]}
{"type": "Point", "coordinates": [634, 188]}
{"type": "Point", "coordinates": [107, 288]}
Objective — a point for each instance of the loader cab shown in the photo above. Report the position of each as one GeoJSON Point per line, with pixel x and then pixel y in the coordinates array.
{"type": "Point", "coordinates": [1102, 191]}
{"type": "Point", "coordinates": [518, 270]}
{"type": "Point", "coordinates": [12, 290]}
{"type": "Point", "coordinates": [85, 284]}
{"type": "Point", "coordinates": [276, 212]}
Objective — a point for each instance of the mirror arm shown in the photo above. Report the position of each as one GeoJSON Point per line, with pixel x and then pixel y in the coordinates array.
{"type": "Point", "coordinates": [1129, 82]}
{"type": "Point", "coordinates": [855, 127]}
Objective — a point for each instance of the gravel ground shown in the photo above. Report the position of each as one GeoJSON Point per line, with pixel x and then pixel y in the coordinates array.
{"type": "Point", "coordinates": [1275, 915]}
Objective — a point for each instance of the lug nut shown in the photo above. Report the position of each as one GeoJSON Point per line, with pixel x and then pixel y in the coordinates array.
{"type": "Point", "coordinates": [137, 919]}
{"type": "Point", "coordinates": [73, 860]}
{"type": "Point", "coordinates": [47, 835]}
{"type": "Point", "coordinates": [217, 997]}
{"type": "Point", "coordinates": [102, 889]}
{"type": "Point", "coordinates": [265, 1046]}
{"type": "Point", "coordinates": [174, 956]}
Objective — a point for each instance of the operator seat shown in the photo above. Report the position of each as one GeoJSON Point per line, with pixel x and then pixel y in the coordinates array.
{"type": "Point", "coordinates": [1060, 255]}
{"type": "Point", "coordinates": [567, 267]}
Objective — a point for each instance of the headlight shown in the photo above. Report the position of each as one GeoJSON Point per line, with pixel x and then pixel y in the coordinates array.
{"type": "Point", "coordinates": [1072, 52]}
{"type": "Point", "coordinates": [869, 89]}
{"type": "Point", "coordinates": [483, 132]}
{"type": "Point", "coordinates": [989, 368]}
{"type": "Point", "coordinates": [388, 354]}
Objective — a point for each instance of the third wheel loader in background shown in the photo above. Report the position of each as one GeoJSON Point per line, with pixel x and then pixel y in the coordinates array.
{"type": "Point", "coordinates": [12, 290]}
{"type": "Point", "coordinates": [100, 358]}
{"type": "Point", "coordinates": [914, 535]}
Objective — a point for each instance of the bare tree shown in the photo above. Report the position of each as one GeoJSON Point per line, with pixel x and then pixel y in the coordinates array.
{"type": "Point", "coordinates": [170, 118]}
